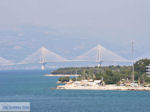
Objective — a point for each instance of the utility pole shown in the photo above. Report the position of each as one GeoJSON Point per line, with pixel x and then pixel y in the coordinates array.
{"type": "Point", "coordinates": [132, 76]}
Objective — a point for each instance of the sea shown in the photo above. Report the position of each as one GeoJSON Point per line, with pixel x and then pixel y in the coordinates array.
{"type": "Point", "coordinates": [32, 86]}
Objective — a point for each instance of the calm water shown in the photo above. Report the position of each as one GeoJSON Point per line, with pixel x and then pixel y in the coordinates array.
{"type": "Point", "coordinates": [32, 86]}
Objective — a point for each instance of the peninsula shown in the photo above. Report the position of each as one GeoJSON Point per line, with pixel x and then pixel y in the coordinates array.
{"type": "Point", "coordinates": [107, 77]}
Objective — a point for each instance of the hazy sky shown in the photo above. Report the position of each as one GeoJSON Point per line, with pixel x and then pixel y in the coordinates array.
{"type": "Point", "coordinates": [71, 27]}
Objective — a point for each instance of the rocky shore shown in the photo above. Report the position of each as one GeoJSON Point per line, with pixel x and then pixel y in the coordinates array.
{"type": "Point", "coordinates": [53, 75]}
{"type": "Point", "coordinates": [105, 87]}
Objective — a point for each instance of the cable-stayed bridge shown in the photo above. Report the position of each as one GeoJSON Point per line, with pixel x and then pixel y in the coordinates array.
{"type": "Point", "coordinates": [43, 56]}
{"type": "Point", "coordinates": [4, 62]}
{"type": "Point", "coordinates": [98, 54]}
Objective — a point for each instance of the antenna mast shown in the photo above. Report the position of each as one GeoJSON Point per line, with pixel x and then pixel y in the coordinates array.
{"type": "Point", "coordinates": [132, 76]}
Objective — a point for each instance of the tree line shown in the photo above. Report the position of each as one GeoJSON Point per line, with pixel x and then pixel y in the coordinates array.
{"type": "Point", "coordinates": [110, 74]}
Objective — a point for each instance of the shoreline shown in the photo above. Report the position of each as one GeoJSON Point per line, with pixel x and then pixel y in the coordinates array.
{"type": "Point", "coordinates": [106, 87]}
{"type": "Point", "coordinates": [58, 75]}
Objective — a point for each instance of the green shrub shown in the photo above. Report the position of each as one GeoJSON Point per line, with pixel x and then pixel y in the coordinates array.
{"type": "Point", "coordinates": [64, 79]}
